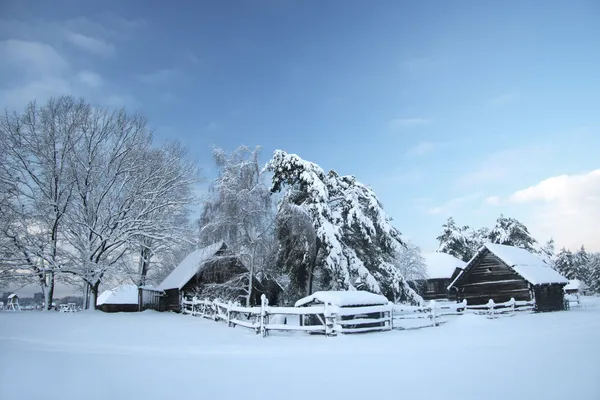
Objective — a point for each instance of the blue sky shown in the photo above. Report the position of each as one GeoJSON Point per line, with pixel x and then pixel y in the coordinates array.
{"type": "Point", "coordinates": [463, 108]}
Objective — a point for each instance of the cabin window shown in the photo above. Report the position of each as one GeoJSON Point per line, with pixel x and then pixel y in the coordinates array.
{"type": "Point", "coordinates": [431, 286]}
{"type": "Point", "coordinates": [490, 269]}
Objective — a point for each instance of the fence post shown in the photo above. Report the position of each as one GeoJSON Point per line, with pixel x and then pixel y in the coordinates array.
{"type": "Point", "coordinates": [464, 302]}
{"type": "Point", "coordinates": [229, 314]}
{"type": "Point", "coordinates": [263, 313]}
{"type": "Point", "coordinates": [512, 306]}
{"type": "Point", "coordinates": [391, 316]}
{"type": "Point", "coordinates": [490, 305]}
{"type": "Point", "coordinates": [433, 306]}
{"type": "Point", "coordinates": [329, 320]}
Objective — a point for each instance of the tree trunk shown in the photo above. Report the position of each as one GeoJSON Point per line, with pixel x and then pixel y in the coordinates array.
{"type": "Point", "coordinates": [144, 265]}
{"type": "Point", "coordinates": [311, 272]}
{"type": "Point", "coordinates": [250, 280]}
{"type": "Point", "coordinates": [94, 295]}
{"type": "Point", "coordinates": [86, 295]}
{"type": "Point", "coordinates": [48, 289]}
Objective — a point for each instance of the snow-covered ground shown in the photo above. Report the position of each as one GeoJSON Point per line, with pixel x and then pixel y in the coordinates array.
{"type": "Point", "coordinates": [154, 355]}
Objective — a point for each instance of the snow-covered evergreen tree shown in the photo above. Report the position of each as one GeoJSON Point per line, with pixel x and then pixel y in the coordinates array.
{"type": "Point", "coordinates": [355, 240]}
{"type": "Point", "coordinates": [547, 252]}
{"type": "Point", "coordinates": [581, 260]}
{"type": "Point", "coordinates": [565, 264]}
{"type": "Point", "coordinates": [593, 272]}
{"type": "Point", "coordinates": [454, 240]}
{"type": "Point", "coordinates": [511, 232]}
{"type": "Point", "coordinates": [477, 238]}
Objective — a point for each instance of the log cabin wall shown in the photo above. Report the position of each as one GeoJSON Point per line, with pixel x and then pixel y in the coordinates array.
{"type": "Point", "coordinates": [171, 300]}
{"type": "Point", "coordinates": [489, 279]}
{"type": "Point", "coordinates": [549, 298]}
{"type": "Point", "coordinates": [435, 289]}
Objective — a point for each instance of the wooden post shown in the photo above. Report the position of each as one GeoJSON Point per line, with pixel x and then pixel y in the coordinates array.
{"type": "Point", "coordinates": [464, 305]}
{"type": "Point", "coordinates": [433, 305]}
{"type": "Point", "coordinates": [490, 305]}
{"type": "Point", "coordinates": [263, 314]}
{"type": "Point", "coordinates": [329, 320]}
{"type": "Point", "coordinates": [512, 306]}
{"type": "Point", "coordinates": [229, 314]}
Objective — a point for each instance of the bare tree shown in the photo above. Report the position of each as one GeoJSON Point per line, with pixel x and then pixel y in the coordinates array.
{"type": "Point", "coordinates": [37, 146]}
{"type": "Point", "coordinates": [240, 212]}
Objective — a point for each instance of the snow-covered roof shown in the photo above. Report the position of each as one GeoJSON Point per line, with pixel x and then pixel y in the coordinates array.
{"type": "Point", "coordinates": [441, 265]}
{"type": "Point", "coordinates": [344, 298]}
{"type": "Point", "coordinates": [124, 294]}
{"type": "Point", "coordinates": [190, 266]}
{"type": "Point", "coordinates": [10, 296]}
{"type": "Point", "coordinates": [526, 264]}
{"type": "Point", "coordinates": [576, 284]}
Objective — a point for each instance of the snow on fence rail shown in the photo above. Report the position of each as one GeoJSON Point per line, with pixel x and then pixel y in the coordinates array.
{"type": "Point", "coordinates": [326, 319]}
{"type": "Point", "coordinates": [330, 320]}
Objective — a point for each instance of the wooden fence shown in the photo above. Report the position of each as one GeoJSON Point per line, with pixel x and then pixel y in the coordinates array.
{"type": "Point", "coordinates": [325, 319]}
{"type": "Point", "coordinates": [330, 320]}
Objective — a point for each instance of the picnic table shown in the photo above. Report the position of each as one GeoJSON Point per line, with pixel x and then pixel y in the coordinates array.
{"type": "Point", "coordinates": [69, 307]}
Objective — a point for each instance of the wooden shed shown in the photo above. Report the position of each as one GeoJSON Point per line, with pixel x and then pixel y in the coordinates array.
{"type": "Point", "coordinates": [501, 272]}
{"type": "Point", "coordinates": [122, 298]}
{"type": "Point", "coordinates": [212, 272]}
{"type": "Point", "coordinates": [440, 268]}
{"type": "Point", "coordinates": [357, 311]}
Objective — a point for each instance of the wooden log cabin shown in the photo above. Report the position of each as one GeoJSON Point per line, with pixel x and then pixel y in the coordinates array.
{"type": "Point", "coordinates": [212, 272]}
{"type": "Point", "coordinates": [501, 272]}
{"type": "Point", "coordinates": [440, 268]}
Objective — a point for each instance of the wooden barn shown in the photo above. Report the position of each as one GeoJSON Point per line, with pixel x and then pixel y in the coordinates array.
{"type": "Point", "coordinates": [123, 298]}
{"type": "Point", "coordinates": [440, 268]}
{"type": "Point", "coordinates": [500, 272]}
{"type": "Point", "coordinates": [210, 272]}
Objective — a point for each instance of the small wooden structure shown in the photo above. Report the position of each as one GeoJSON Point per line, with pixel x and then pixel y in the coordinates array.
{"type": "Point", "coordinates": [575, 286]}
{"type": "Point", "coordinates": [13, 303]}
{"type": "Point", "coordinates": [122, 298]}
{"type": "Point", "coordinates": [211, 272]}
{"type": "Point", "coordinates": [440, 269]}
{"type": "Point", "coordinates": [349, 311]}
{"type": "Point", "coordinates": [500, 272]}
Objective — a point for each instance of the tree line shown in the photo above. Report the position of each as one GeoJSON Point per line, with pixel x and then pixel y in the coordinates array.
{"type": "Point", "coordinates": [463, 242]}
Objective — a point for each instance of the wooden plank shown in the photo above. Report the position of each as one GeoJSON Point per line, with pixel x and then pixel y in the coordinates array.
{"type": "Point", "coordinates": [369, 329]}
{"type": "Point", "coordinates": [362, 321]}
{"type": "Point", "coordinates": [306, 328]}
{"type": "Point", "coordinates": [363, 310]}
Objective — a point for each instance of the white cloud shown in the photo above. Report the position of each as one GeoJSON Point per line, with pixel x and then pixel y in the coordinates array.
{"type": "Point", "coordinates": [32, 57]}
{"type": "Point", "coordinates": [409, 122]}
{"type": "Point", "coordinates": [566, 207]}
{"type": "Point", "coordinates": [91, 44]}
{"type": "Point", "coordinates": [37, 65]}
{"type": "Point", "coordinates": [421, 149]}
{"type": "Point", "coordinates": [493, 200]}
{"type": "Point", "coordinates": [90, 78]}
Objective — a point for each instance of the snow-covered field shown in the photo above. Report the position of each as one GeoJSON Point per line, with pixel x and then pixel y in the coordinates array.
{"type": "Point", "coordinates": [154, 355]}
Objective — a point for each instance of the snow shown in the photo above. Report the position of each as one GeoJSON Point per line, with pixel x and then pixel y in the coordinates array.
{"type": "Point", "coordinates": [189, 267]}
{"type": "Point", "coordinates": [11, 296]}
{"type": "Point", "coordinates": [575, 284]}
{"type": "Point", "coordinates": [124, 294]}
{"type": "Point", "coordinates": [344, 298]}
{"type": "Point", "coordinates": [441, 265]}
{"type": "Point", "coordinates": [526, 264]}
{"type": "Point", "coordinates": [151, 356]}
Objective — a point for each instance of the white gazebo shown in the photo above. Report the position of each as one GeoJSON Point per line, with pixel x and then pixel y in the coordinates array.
{"type": "Point", "coordinates": [13, 303]}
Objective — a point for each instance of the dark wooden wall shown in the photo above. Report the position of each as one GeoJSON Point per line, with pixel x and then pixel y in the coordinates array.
{"type": "Point", "coordinates": [171, 301]}
{"type": "Point", "coordinates": [489, 279]}
{"type": "Point", "coordinates": [434, 289]}
{"type": "Point", "coordinates": [549, 298]}
{"type": "Point", "coordinates": [118, 308]}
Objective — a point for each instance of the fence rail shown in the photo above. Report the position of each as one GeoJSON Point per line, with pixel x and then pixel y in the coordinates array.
{"type": "Point", "coordinates": [330, 320]}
